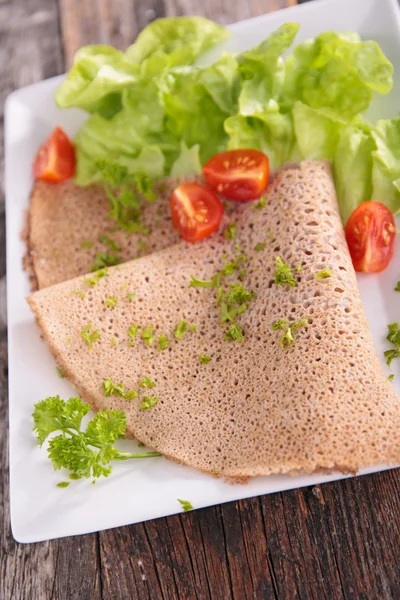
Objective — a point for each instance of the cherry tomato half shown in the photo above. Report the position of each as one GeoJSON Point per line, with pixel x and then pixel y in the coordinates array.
{"type": "Point", "coordinates": [238, 174]}
{"type": "Point", "coordinates": [371, 235]}
{"type": "Point", "coordinates": [195, 210]}
{"type": "Point", "coordinates": [55, 160]}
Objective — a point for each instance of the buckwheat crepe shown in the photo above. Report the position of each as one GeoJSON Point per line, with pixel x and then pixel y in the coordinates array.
{"type": "Point", "coordinates": [65, 223]}
{"type": "Point", "coordinates": [255, 408]}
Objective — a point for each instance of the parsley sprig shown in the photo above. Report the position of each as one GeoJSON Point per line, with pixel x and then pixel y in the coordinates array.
{"type": "Point", "coordinates": [393, 337]}
{"type": "Point", "coordinates": [83, 452]}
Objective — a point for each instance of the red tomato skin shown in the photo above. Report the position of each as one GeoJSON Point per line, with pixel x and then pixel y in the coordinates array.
{"type": "Point", "coordinates": [371, 237]}
{"type": "Point", "coordinates": [196, 211]}
{"type": "Point", "coordinates": [55, 160]}
{"type": "Point", "coordinates": [238, 174]}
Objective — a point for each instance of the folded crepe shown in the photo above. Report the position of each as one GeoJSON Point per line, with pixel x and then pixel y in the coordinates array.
{"type": "Point", "coordinates": [321, 402]}
{"type": "Point", "coordinates": [64, 219]}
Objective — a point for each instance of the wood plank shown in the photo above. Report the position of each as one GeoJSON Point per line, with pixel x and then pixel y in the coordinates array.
{"type": "Point", "coordinates": [118, 23]}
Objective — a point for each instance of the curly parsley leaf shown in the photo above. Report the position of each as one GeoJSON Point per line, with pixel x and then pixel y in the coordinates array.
{"type": "Point", "coordinates": [148, 335]}
{"type": "Point", "coordinates": [230, 231]}
{"type": "Point", "coordinates": [393, 337]}
{"type": "Point", "coordinates": [104, 259]}
{"type": "Point", "coordinates": [397, 288]}
{"type": "Point", "coordinates": [112, 244]}
{"type": "Point", "coordinates": [234, 334]}
{"type": "Point", "coordinates": [162, 342]}
{"type": "Point", "coordinates": [111, 301]}
{"type": "Point", "coordinates": [287, 339]}
{"type": "Point", "coordinates": [204, 359]}
{"type": "Point", "coordinates": [260, 246]}
{"type": "Point", "coordinates": [84, 453]}
{"type": "Point", "coordinates": [146, 382]}
{"type": "Point", "coordinates": [92, 281]}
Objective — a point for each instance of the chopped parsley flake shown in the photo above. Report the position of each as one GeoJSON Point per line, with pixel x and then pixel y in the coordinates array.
{"type": "Point", "coordinates": [132, 332]}
{"type": "Point", "coordinates": [63, 484]}
{"type": "Point", "coordinates": [287, 339]}
{"type": "Point", "coordinates": [148, 336]}
{"type": "Point", "coordinates": [114, 341]}
{"type": "Point", "coordinates": [214, 282]}
{"type": "Point", "coordinates": [186, 505]}
{"type": "Point", "coordinates": [180, 330]}
{"type": "Point", "coordinates": [111, 301]}
{"type": "Point", "coordinates": [118, 390]}
{"type": "Point", "coordinates": [391, 377]}
{"type": "Point", "coordinates": [193, 328]}
{"type": "Point", "coordinates": [104, 259]}
{"type": "Point", "coordinates": [260, 246]}
{"type": "Point", "coordinates": [92, 281]}
{"type": "Point", "coordinates": [104, 239]}
{"type": "Point", "coordinates": [238, 247]}
{"type": "Point", "coordinates": [162, 342]}
{"type": "Point", "coordinates": [148, 402]}
{"type": "Point", "coordinates": [234, 333]}
{"type": "Point", "coordinates": [283, 274]}
{"type": "Point", "coordinates": [230, 231]}
{"type": "Point", "coordinates": [90, 336]}
{"type": "Point", "coordinates": [324, 274]}
{"type": "Point", "coordinates": [261, 203]}
{"type": "Point", "coordinates": [79, 293]}
{"type": "Point", "coordinates": [204, 359]}
{"type": "Point", "coordinates": [60, 373]}
{"type": "Point", "coordinates": [146, 382]}
{"type": "Point", "coordinates": [397, 288]}
{"type": "Point", "coordinates": [86, 244]}
{"type": "Point", "coordinates": [299, 267]}
{"type": "Point", "coordinates": [131, 297]}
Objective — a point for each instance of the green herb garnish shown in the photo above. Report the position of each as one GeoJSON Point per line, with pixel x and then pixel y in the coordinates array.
{"type": "Point", "coordinates": [283, 274]}
{"type": "Point", "coordinates": [132, 332]}
{"type": "Point", "coordinates": [104, 239]}
{"type": "Point", "coordinates": [234, 333]}
{"type": "Point", "coordinates": [261, 203]}
{"type": "Point", "coordinates": [186, 505]}
{"type": "Point", "coordinates": [148, 402]}
{"type": "Point", "coordinates": [63, 484]}
{"type": "Point", "coordinates": [180, 330]}
{"type": "Point", "coordinates": [287, 339]}
{"type": "Point", "coordinates": [104, 259]}
{"type": "Point", "coordinates": [148, 336]}
{"type": "Point", "coordinates": [79, 293]}
{"type": "Point", "coordinates": [397, 288]}
{"type": "Point", "coordinates": [84, 453]}
{"type": "Point", "coordinates": [114, 341]}
{"type": "Point", "coordinates": [90, 336]}
{"type": "Point", "coordinates": [110, 388]}
{"type": "Point", "coordinates": [214, 282]}
{"type": "Point", "coordinates": [323, 274]}
{"type": "Point", "coordinates": [204, 359]}
{"type": "Point", "coordinates": [146, 382]}
{"type": "Point", "coordinates": [131, 297]}
{"type": "Point", "coordinates": [111, 301]}
{"type": "Point", "coordinates": [260, 246]}
{"type": "Point", "coordinates": [393, 337]}
{"type": "Point", "coordinates": [86, 244]}
{"type": "Point", "coordinates": [60, 373]}
{"type": "Point", "coordinates": [92, 281]}
{"type": "Point", "coordinates": [162, 342]}
{"type": "Point", "coordinates": [391, 377]}
{"type": "Point", "coordinates": [230, 231]}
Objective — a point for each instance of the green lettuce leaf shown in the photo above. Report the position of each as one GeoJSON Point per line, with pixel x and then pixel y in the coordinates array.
{"type": "Point", "coordinates": [269, 131]}
{"type": "Point", "coordinates": [336, 73]}
{"type": "Point", "coordinates": [180, 40]}
{"type": "Point", "coordinates": [96, 79]}
{"type": "Point", "coordinates": [352, 167]}
{"type": "Point", "coordinates": [188, 162]}
{"type": "Point", "coordinates": [386, 163]}
{"type": "Point", "coordinates": [317, 135]}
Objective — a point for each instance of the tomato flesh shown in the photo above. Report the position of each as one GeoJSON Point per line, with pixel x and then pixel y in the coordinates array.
{"type": "Point", "coordinates": [238, 174]}
{"type": "Point", "coordinates": [371, 237]}
{"type": "Point", "coordinates": [55, 160]}
{"type": "Point", "coordinates": [195, 210]}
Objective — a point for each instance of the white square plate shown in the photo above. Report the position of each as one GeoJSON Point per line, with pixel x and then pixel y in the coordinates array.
{"type": "Point", "coordinates": [145, 489]}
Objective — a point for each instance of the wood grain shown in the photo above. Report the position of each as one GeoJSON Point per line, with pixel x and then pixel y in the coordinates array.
{"type": "Point", "coordinates": [340, 540]}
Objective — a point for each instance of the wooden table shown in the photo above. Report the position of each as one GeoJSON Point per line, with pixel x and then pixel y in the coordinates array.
{"type": "Point", "coordinates": [341, 540]}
